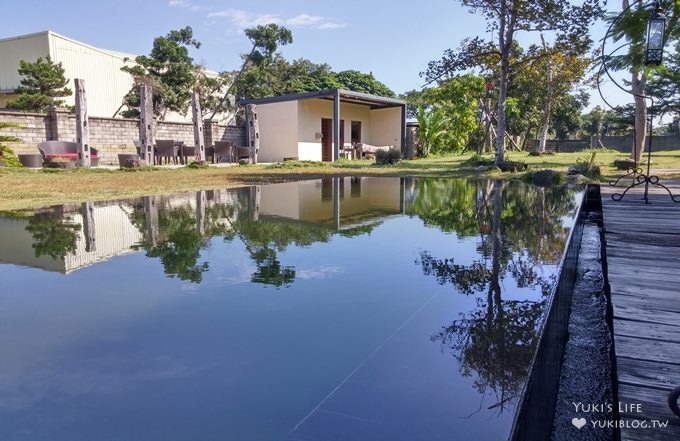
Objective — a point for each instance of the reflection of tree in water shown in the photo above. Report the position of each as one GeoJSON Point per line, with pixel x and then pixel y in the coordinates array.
{"type": "Point", "coordinates": [178, 243]}
{"type": "Point", "coordinates": [52, 235]}
{"type": "Point", "coordinates": [265, 239]}
{"type": "Point", "coordinates": [520, 230]}
{"type": "Point", "coordinates": [177, 240]}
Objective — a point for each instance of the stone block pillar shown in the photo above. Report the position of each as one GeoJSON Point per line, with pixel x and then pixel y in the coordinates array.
{"type": "Point", "coordinates": [59, 125]}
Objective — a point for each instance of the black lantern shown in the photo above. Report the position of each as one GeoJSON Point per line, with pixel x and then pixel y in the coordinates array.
{"type": "Point", "coordinates": [656, 28]}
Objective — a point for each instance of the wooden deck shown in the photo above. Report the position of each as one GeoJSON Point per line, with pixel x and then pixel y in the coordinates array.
{"type": "Point", "coordinates": [643, 257]}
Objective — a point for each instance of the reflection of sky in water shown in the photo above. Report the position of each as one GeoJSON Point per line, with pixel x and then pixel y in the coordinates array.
{"type": "Point", "coordinates": [119, 351]}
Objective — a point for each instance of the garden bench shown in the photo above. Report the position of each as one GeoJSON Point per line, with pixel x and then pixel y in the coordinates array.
{"type": "Point", "coordinates": [64, 149]}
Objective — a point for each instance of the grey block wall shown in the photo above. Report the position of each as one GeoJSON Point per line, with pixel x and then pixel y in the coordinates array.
{"type": "Point", "coordinates": [110, 136]}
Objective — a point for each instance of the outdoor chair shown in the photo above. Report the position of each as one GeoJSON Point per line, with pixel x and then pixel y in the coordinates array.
{"type": "Point", "coordinates": [242, 153]}
{"type": "Point", "coordinates": [223, 149]}
{"type": "Point", "coordinates": [64, 149]}
{"type": "Point", "coordinates": [187, 153]}
{"type": "Point", "coordinates": [166, 148]}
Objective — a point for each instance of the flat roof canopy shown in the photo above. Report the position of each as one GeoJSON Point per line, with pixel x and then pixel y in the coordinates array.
{"type": "Point", "coordinates": [346, 96]}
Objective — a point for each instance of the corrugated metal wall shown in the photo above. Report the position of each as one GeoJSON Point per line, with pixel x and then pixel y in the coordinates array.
{"type": "Point", "coordinates": [13, 50]}
{"type": "Point", "coordinates": [105, 83]}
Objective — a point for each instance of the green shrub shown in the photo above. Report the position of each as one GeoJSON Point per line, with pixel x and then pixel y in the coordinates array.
{"type": "Point", "coordinates": [200, 165]}
{"type": "Point", "coordinates": [512, 166]}
{"type": "Point", "coordinates": [8, 157]}
{"type": "Point", "coordinates": [387, 157]}
{"type": "Point", "coordinates": [476, 160]}
{"type": "Point", "coordinates": [586, 166]}
{"type": "Point", "coordinates": [6, 153]}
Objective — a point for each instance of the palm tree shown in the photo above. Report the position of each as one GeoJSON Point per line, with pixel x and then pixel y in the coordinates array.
{"type": "Point", "coordinates": [432, 131]}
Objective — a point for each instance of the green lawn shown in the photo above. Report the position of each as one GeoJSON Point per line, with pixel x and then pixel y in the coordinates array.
{"type": "Point", "coordinates": [24, 188]}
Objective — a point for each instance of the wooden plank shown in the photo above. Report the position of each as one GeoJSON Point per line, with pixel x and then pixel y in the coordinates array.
{"type": "Point", "coordinates": [658, 239]}
{"type": "Point", "coordinates": [643, 257]}
{"type": "Point", "coordinates": [648, 220]}
{"type": "Point", "coordinates": [631, 278]}
{"type": "Point", "coordinates": [632, 269]}
{"type": "Point", "coordinates": [664, 301]}
{"type": "Point", "coordinates": [646, 304]}
{"type": "Point", "coordinates": [641, 252]}
{"type": "Point", "coordinates": [658, 331]}
{"type": "Point", "coordinates": [654, 406]}
{"type": "Point", "coordinates": [663, 376]}
{"type": "Point", "coordinates": [651, 350]}
{"type": "Point", "coordinates": [656, 278]}
{"type": "Point", "coordinates": [642, 315]}
{"type": "Point", "coordinates": [668, 260]}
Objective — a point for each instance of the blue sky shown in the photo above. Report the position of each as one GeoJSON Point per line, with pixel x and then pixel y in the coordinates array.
{"type": "Point", "coordinates": [393, 40]}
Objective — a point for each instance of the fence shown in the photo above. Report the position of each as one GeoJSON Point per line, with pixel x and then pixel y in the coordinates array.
{"type": "Point", "coordinates": [620, 143]}
{"type": "Point", "coordinates": [110, 136]}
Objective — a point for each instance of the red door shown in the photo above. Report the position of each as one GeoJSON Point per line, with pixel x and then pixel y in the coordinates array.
{"type": "Point", "coordinates": [327, 138]}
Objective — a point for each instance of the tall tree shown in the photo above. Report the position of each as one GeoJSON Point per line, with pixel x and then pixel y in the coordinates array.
{"type": "Point", "coordinates": [43, 85]}
{"type": "Point", "coordinates": [447, 114]}
{"type": "Point", "coordinates": [361, 82]}
{"type": "Point", "coordinates": [505, 19]}
{"type": "Point", "coordinates": [265, 39]}
{"type": "Point", "coordinates": [630, 25]}
{"type": "Point", "coordinates": [169, 70]}
{"type": "Point", "coordinates": [557, 75]}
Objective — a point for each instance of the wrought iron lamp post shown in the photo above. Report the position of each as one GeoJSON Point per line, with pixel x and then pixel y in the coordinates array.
{"type": "Point", "coordinates": [656, 31]}
{"type": "Point", "coordinates": [654, 42]}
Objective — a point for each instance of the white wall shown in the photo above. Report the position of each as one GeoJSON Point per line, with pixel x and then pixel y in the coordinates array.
{"type": "Point", "coordinates": [293, 128]}
{"type": "Point", "coordinates": [309, 124]}
{"type": "Point", "coordinates": [105, 83]}
{"type": "Point", "coordinates": [386, 127]}
{"type": "Point", "coordinates": [278, 131]}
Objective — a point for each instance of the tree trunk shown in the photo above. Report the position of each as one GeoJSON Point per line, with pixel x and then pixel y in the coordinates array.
{"type": "Point", "coordinates": [637, 87]}
{"type": "Point", "coordinates": [638, 82]}
{"type": "Point", "coordinates": [546, 104]}
{"type": "Point", "coordinates": [505, 35]}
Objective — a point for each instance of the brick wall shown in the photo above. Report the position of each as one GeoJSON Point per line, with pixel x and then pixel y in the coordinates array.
{"type": "Point", "coordinates": [110, 136]}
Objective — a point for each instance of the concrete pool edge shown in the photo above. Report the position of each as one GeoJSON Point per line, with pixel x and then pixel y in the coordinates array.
{"type": "Point", "coordinates": [535, 412]}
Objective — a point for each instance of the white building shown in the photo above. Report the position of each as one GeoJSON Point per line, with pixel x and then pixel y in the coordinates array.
{"type": "Point", "coordinates": [105, 83]}
{"type": "Point", "coordinates": [318, 126]}
{"type": "Point", "coordinates": [100, 68]}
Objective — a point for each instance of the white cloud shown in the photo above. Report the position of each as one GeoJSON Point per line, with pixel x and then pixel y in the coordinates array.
{"type": "Point", "coordinates": [332, 25]}
{"type": "Point", "coordinates": [317, 273]}
{"type": "Point", "coordinates": [304, 20]}
{"type": "Point", "coordinates": [243, 19]}
{"type": "Point", "coordinates": [184, 4]}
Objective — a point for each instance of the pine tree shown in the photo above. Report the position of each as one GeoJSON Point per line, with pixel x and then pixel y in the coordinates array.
{"type": "Point", "coordinates": [43, 85]}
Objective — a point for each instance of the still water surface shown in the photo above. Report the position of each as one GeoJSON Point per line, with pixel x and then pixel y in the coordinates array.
{"type": "Point", "coordinates": [339, 309]}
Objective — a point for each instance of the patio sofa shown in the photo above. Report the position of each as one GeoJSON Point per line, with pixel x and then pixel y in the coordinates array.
{"type": "Point", "coordinates": [368, 151]}
{"type": "Point", "coordinates": [64, 149]}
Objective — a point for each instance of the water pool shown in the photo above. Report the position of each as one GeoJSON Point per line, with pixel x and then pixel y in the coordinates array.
{"type": "Point", "coordinates": [336, 309]}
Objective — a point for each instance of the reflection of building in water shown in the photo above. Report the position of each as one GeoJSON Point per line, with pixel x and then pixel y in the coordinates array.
{"type": "Point", "coordinates": [111, 234]}
{"type": "Point", "coordinates": [68, 238]}
{"type": "Point", "coordinates": [340, 202]}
